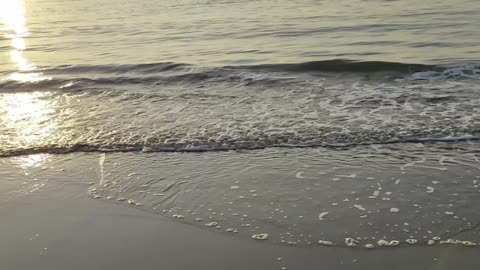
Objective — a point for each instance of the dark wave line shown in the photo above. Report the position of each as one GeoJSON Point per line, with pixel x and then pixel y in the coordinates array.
{"type": "Point", "coordinates": [83, 82]}
{"type": "Point", "coordinates": [345, 65]}
{"type": "Point", "coordinates": [334, 65]}
{"type": "Point", "coordinates": [123, 68]}
{"type": "Point", "coordinates": [207, 148]}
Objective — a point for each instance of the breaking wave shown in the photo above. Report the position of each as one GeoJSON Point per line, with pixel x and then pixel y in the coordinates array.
{"type": "Point", "coordinates": [168, 107]}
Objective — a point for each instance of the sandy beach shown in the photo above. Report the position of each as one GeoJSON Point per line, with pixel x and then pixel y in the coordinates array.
{"type": "Point", "coordinates": [59, 227]}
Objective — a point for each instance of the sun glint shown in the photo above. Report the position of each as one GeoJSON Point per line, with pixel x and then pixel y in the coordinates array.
{"type": "Point", "coordinates": [28, 115]}
{"type": "Point", "coordinates": [13, 26]}
{"type": "Point", "coordinates": [12, 16]}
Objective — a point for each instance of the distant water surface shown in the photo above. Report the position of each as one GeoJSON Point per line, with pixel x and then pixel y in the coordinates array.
{"type": "Point", "coordinates": [235, 32]}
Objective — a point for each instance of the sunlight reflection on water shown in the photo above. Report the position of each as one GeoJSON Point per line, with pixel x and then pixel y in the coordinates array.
{"type": "Point", "coordinates": [27, 115]}
{"type": "Point", "coordinates": [23, 115]}
{"type": "Point", "coordinates": [12, 17]}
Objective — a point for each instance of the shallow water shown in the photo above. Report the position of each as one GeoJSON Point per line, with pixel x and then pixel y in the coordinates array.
{"type": "Point", "coordinates": [348, 119]}
{"type": "Point", "coordinates": [297, 196]}
{"type": "Point", "coordinates": [283, 192]}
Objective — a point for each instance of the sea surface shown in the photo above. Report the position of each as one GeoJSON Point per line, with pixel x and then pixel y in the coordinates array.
{"type": "Point", "coordinates": [306, 120]}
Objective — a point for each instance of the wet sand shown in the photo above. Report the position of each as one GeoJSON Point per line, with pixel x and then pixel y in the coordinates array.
{"type": "Point", "coordinates": [59, 227]}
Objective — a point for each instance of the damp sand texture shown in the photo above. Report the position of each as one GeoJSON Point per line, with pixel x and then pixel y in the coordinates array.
{"type": "Point", "coordinates": [55, 217]}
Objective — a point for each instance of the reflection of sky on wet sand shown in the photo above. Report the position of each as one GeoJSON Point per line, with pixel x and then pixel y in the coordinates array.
{"type": "Point", "coordinates": [32, 161]}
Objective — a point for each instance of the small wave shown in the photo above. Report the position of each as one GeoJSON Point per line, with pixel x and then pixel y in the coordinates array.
{"type": "Point", "coordinates": [117, 81]}
{"type": "Point", "coordinates": [71, 76]}
{"type": "Point", "coordinates": [334, 65]}
{"type": "Point", "coordinates": [344, 65]}
{"type": "Point", "coordinates": [208, 146]}
{"type": "Point", "coordinates": [59, 83]}
{"type": "Point", "coordinates": [120, 69]}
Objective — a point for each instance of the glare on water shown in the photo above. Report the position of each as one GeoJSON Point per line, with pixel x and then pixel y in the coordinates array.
{"type": "Point", "coordinates": [14, 28]}
{"type": "Point", "coordinates": [26, 115]}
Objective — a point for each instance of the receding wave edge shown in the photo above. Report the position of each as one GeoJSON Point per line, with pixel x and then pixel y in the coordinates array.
{"type": "Point", "coordinates": [217, 148]}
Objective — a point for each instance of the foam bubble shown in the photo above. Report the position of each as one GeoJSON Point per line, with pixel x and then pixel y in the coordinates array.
{"type": "Point", "coordinates": [350, 242]}
{"type": "Point", "coordinates": [469, 243]}
{"type": "Point", "coordinates": [299, 175]}
{"type": "Point", "coordinates": [131, 201]}
{"type": "Point", "coordinates": [392, 243]}
{"type": "Point", "coordinates": [325, 243]}
{"type": "Point", "coordinates": [322, 215]}
{"type": "Point", "coordinates": [359, 207]}
{"type": "Point", "coordinates": [260, 236]}
{"type": "Point", "coordinates": [411, 241]}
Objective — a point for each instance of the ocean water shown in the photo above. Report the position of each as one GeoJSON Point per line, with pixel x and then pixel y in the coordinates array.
{"type": "Point", "coordinates": [307, 120]}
